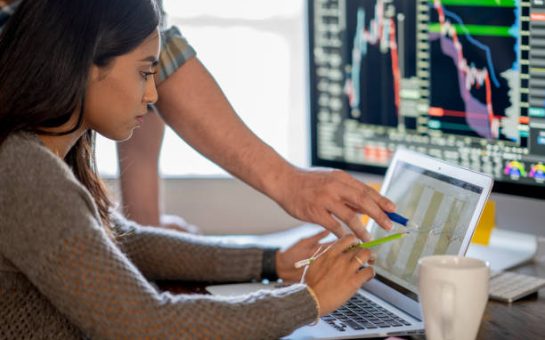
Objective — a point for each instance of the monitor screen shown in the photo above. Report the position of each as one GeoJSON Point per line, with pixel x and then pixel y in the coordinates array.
{"type": "Point", "coordinates": [460, 80]}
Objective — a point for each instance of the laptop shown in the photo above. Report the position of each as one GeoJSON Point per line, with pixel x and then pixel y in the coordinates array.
{"type": "Point", "coordinates": [446, 202]}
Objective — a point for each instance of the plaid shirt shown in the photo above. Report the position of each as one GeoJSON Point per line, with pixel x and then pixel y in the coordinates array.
{"type": "Point", "coordinates": [175, 50]}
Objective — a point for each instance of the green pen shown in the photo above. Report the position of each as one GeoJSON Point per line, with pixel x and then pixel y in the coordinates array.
{"type": "Point", "coordinates": [381, 240]}
{"type": "Point", "coordinates": [370, 244]}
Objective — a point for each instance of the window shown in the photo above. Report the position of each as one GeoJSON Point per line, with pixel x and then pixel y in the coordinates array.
{"type": "Point", "coordinates": [256, 52]}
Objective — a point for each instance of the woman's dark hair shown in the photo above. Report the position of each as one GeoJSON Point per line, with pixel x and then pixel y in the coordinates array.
{"type": "Point", "coordinates": [46, 52]}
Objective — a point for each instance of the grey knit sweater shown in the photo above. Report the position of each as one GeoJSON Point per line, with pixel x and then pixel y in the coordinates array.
{"type": "Point", "coordinates": [61, 277]}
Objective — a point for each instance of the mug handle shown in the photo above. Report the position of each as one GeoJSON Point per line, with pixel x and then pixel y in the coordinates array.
{"type": "Point", "coordinates": [447, 309]}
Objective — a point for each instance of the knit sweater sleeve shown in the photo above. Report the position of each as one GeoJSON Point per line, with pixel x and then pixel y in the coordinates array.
{"type": "Point", "coordinates": [50, 231]}
{"type": "Point", "coordinates": [164, 254]}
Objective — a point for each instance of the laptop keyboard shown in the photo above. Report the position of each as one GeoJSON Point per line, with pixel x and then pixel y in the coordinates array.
{"type": "Point", "coordinates": [361, 313]}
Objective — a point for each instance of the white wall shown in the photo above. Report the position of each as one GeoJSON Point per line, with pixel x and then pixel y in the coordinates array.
{"type": "Point", "coordinates": [220, 205]}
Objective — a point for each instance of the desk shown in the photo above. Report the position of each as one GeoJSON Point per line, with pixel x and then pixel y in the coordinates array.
{"type": "Point", "coordinates": [524, 319]}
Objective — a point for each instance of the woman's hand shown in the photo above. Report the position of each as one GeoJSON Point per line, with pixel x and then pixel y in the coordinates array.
{"type": "Point", "coordinates": [285, 260]}
{"type": "Point", "coordinates": [337, 275]}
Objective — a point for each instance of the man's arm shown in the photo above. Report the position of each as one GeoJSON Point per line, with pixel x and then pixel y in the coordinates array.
{"type": "Point", "coordinates": [138, 164]}
{"type": "Point", "coordinates": [192, 103]}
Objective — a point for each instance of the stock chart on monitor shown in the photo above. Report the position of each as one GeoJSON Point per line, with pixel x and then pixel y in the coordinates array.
{"type": "Point", "coordinates": [461, 80]}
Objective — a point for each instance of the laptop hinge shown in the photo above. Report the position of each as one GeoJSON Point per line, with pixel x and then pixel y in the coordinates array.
{"type": "Point", "coordinates": [395, 298]}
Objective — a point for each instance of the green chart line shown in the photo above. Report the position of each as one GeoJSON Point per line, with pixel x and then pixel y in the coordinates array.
{"type": "Point", "coordinates": [434, 124]}
{"type": "Point", "coordinates": [483, 3]}
{"type": "Point", "coordinates": [499, 31]}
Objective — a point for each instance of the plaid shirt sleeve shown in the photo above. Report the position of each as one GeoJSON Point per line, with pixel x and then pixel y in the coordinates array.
{"type": "Point", "coordinates": [175, 51]}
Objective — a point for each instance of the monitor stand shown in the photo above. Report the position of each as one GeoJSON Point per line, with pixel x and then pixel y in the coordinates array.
{"type": "Point", "coordinates": [506, 249]}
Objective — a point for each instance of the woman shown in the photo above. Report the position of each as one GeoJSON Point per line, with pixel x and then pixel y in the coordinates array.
{"type": "Point", "coordinates": [69, 266]}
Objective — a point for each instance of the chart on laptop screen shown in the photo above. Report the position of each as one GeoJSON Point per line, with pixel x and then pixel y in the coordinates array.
{"type": "Point", "coordinates": [442, 208]}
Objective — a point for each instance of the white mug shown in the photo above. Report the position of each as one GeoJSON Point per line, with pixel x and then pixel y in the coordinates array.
{"type": "Point", "coordinates": [453, 292]}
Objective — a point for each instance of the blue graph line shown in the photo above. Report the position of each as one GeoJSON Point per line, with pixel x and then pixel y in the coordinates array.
{"type": "Point", "coordinates": [356, 67]}
{"type": "Point", "coordinates": [477, 43]}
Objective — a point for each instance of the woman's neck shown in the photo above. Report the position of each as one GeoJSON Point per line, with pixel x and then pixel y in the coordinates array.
{"type": "Point", "coordinates": [60, 145]}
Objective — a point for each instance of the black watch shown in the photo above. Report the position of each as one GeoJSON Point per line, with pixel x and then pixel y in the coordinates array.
{"type": "Point", "coordinates": [268, 268]}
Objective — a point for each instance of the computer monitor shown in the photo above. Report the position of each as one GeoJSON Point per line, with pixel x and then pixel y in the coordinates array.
{"type": "Point", "coordinates": [460, 80]}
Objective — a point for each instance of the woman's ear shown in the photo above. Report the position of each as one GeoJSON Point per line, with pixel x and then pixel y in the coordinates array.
{"type": "Point", "coordinates": [95, 73]}
{"type": "Point", "coordinates": [98, 73]}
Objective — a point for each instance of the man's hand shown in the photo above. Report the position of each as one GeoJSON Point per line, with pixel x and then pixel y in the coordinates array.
{"type": "Point", "coordinates": [326, 196]}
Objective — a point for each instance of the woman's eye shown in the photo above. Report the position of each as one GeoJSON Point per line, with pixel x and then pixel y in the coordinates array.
{"type": "Point", "coordinates": [146, 75]}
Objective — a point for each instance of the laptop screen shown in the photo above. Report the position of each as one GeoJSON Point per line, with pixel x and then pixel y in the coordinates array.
{"type": "Point", "coordinates": [440, 205]}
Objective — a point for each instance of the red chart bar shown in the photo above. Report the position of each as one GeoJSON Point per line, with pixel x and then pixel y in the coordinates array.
{"type": "Point", "coordinates": [537, 16]}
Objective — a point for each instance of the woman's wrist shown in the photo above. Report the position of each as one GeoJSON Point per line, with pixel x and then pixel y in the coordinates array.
{"type": "Point", "coordinates": [315, 298]}
{"type": "Point", "coordinates": [282, 267]}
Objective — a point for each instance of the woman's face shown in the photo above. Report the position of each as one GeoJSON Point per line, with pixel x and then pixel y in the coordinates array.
{"type": "Point", "coordinates": [118, 94]}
